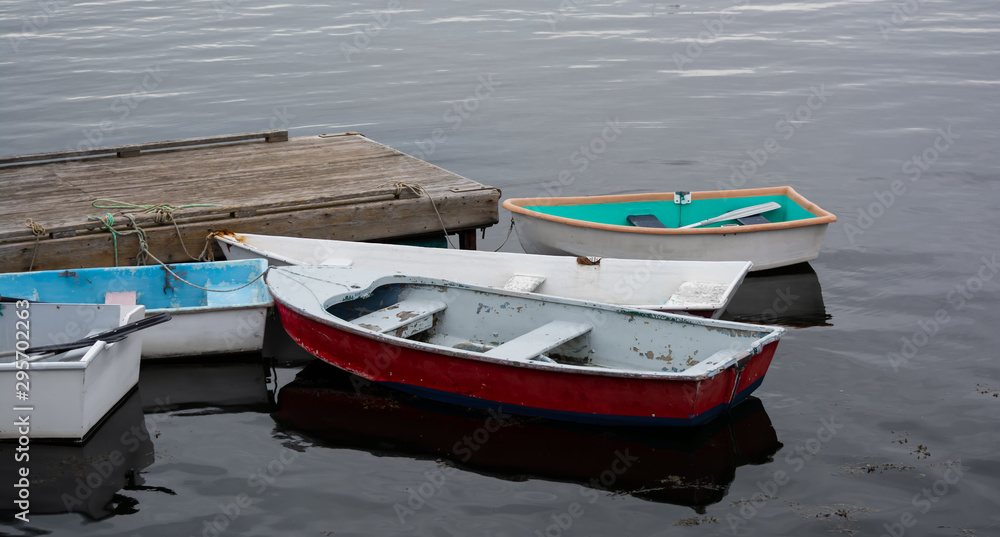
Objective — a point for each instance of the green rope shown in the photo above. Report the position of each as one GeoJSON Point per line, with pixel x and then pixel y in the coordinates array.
{"type": "Point", "coordinates": [109, 220]}
{"type": "Point", "coordinates": [151, 208]}
{"type": "Point", "coordinates": [164, 212]}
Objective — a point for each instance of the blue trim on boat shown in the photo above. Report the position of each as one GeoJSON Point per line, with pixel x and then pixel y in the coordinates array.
{"type": "Point", "coordinates": [597, 419]}
{"type": "Point", "coordinates": [155, 288]}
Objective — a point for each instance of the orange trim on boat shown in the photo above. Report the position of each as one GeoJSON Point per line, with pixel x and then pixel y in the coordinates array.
{"type": "Point", "coordinates": [517, 205]}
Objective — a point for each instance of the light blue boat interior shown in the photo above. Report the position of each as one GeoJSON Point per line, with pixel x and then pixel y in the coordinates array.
{"type": "Point", "coordinates": [675, 215]}
{"type": "Point", "coordinates": [155, 288]}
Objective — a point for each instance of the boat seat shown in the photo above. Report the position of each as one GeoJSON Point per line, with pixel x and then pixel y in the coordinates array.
{"type": "Point", "coordinates": [644, 220]}
{"type": "Point", "coordinates": [752, 220]}
{"type": "Point", "coordinates": [402, 319]}
{"type": "Point", "coordinates": [538, 341]}
{"type": "Point", "coordinates": [523, 283]}
{"type": "Point", "coordinates": [695, 293]}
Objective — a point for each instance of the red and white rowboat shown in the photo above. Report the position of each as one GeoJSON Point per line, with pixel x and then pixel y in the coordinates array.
{"type": "Point", "coordinates": [544, 356]}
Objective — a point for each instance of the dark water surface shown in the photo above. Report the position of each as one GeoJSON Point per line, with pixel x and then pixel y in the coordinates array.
{"type": "Point", "coordinates": [880, 414]}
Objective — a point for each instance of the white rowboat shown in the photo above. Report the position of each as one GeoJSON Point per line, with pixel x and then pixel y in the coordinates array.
{"type": "Point", "coordinates": [70, 392]}
{"type": "Point", "coordinates": [223, 312]}
{"type": "Point", "coordinates": [694, 287]}
{"type": "Point", "coordinates": [642, 226]}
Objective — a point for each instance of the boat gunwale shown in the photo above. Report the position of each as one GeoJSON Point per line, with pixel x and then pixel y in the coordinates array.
{"type": "Point", "coordinates": [83, 362]}
{"type": "Point", "coordinates": [233, 239]}
{"type": "Point", "coordinates": [821, 216]}
{"type": "Point", "coordinates": [772, 334]}
{"type": "Point", "coordinates": [93, 352]}
{"type": "Point", "coordinates": [209, 309]}
{"type": "Point", "coordinates": [261, 300]}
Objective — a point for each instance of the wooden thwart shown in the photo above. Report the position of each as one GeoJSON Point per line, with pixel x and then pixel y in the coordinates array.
{"type": "Point", "coordinates": [695, 292]}
{"type": "Point", "coordinates": [523, 283]}
{"type": "Point", "coordinates": [538, 341]}
{"type": "Point", "coordinates": [645, 220]}
{"type": "Point", "coordinates": [403, 319]}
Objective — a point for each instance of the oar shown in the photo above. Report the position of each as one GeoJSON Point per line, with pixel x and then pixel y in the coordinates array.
{"type": "Point", "coordinates": [108, 336]}
{"type": "Point", "coordinates": [738, 213]}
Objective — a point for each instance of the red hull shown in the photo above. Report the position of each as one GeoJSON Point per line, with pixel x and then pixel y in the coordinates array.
{"type": "Point", "coordinates": [522, 390]}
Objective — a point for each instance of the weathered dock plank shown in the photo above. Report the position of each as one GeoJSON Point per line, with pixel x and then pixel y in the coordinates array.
{"type": "Point", "coordinates": [341, 186]}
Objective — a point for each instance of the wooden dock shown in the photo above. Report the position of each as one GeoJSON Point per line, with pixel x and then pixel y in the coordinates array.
{"type": "Point", "coordinates": [56, 206]}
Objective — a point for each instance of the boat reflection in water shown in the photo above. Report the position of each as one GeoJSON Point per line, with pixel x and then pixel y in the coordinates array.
{"type": "Point", "coordinates": [85, 478]}
{"type": "Point", "coordinates": [684, 466]}
{"type": "Point", "coordinates": [789, 296]}
{"type": "Point", "coordinates": [218, 385]}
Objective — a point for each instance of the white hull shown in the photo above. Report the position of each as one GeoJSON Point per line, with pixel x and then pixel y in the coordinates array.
{"type": "Point", "coordinates": [222, 311]}
{"type": "Point", "coordinates": [71, 392]}
{"type": "Point", "coordinates": [676, 286]}
{"type": "Point", "coordinates": [201, 332]}
{"type": "Point", "coordinates": [766, 249]}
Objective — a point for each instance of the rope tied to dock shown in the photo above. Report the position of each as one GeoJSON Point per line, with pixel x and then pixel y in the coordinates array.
{"type": "Point", "coordinates": [37, 230]}
{"type": "Point", "coordinates": [162, 213]}
{"type": "Point", "coordinates": [140, 258]}
{"type": "Point", "coordinates": [419, 190]}
{"type": "Point", "coordinates": [109, 221]}
{"type": "Point", "coordinates": [158, 208]}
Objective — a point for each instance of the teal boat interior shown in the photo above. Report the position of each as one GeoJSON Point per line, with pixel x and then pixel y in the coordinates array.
{"type": "Point", "coordinates": [674, 215]}
{"type": "Point", "coordinates": [154, 287]}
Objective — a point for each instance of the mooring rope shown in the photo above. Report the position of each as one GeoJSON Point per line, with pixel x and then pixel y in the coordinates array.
{"type": "Point", "coordinates": [420, 191]}
{"type": "Point", "coordinates": [38, 230]}
{"type": "Point", "coordinates": [109, 220]}
{"type": "Point", "coordinates": [140, 258]}
{"type": "Point", "coordinates": [162, 213]}
{"type": "Point", "coordinates": [175, 275]}
{"type": "Point", "coordinates": [149, 208]}
{"type": "Point", "coordinates": [505, 239]}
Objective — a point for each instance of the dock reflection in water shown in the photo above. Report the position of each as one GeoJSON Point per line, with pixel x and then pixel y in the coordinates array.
{"type": "Point", "coordinates": [683, 466]}
{"type": "Point", "coordinates": [789, 296]}
{"type": "Point", "coordinates": [87, 478]}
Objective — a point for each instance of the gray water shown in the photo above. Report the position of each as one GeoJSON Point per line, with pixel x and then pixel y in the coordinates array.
{"type": "Point", "coordinates": [884, 399]}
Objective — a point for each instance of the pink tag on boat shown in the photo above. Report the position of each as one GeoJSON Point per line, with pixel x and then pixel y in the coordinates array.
{"type": "Point", "coordinates": [121, 298]}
